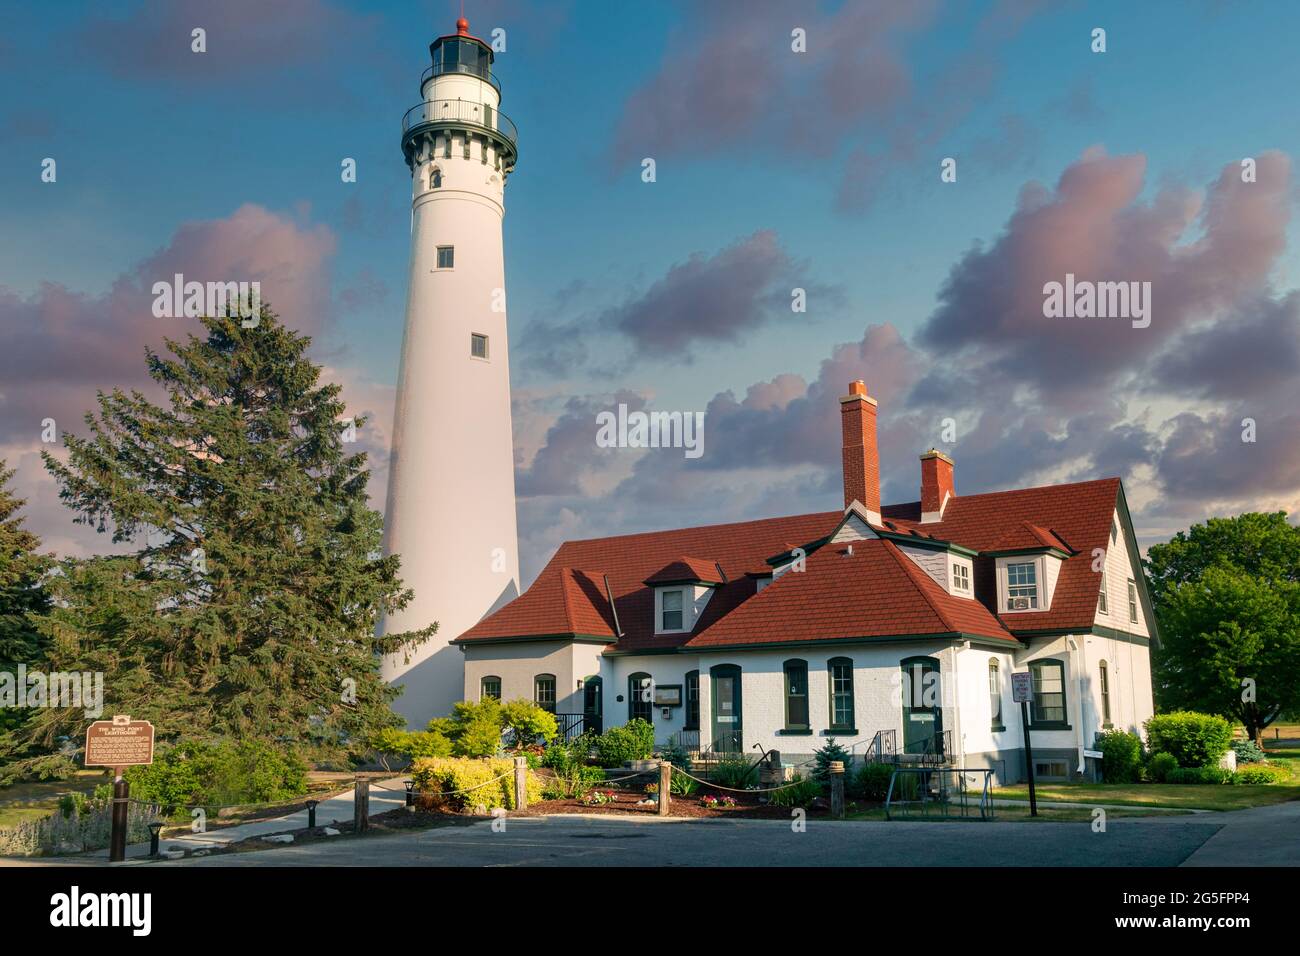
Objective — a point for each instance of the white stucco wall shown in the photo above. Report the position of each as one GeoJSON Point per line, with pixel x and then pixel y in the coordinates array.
{"type": "Point", "coordinates": [663, 669]}
{"type": "Point", "coordinates": [875, 704]}
{"type": "Point", "coordinates": [518, 663]}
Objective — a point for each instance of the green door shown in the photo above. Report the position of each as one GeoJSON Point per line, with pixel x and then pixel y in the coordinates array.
{"type": "Point", "coordinates": [593, 709]}
{"type": "Point", "coordinates": [922, 705]}
{"type": "Point", "coordinates": [727, 729]}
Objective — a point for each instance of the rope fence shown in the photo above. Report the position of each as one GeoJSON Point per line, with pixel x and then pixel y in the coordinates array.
{"type": "Point", "coordinates": [718, 786]}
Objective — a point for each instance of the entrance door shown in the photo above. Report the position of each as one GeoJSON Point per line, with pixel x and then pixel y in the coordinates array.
{"type": "Point", "coordinates": [922, 705]}
{"type": "Point", "coordinates": [592, 705]}
{"type": "Point", "coordinates": [726, 708]}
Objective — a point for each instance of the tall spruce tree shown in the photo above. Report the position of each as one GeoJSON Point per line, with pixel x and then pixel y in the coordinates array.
{"type": "Point", "coordinates": [250, 603]}
{"type": "Point", "coordinates": [22, 593]}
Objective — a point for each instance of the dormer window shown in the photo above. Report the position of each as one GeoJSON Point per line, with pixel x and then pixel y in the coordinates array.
{"type": "Point", "coordinates": [671, 611]}
{"type": "Point", "coordinates": [961, 578]}
{"type": "Point", "coordinates": [1022, 586]}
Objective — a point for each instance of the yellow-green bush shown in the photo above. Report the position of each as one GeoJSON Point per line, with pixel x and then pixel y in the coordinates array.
{"type": "Point", "coordinates": [458, 782]}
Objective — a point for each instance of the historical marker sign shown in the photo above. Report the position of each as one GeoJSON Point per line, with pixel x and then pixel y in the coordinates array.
{"type": "Point", "coordinates": [1022, 687]}
{"type": "Point", "coordinates": [120, 742]}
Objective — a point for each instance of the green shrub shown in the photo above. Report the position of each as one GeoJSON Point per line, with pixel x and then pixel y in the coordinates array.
{"type": "Point", "coordinates": [681, 785]}
{"type": "Point", "coordinates": [871, 782]}
{"type": "Point", "coordinates": [1160, 766]}
{"type": "Point", "coordinates": [528, 723]}
{"type": "Point", "coordinates": [211, 774]}
{"type": "Point", "coordinates": [1259, 773]}
{"type": "Point", "coordinates": [392, 744]}
{"type": "Point", "coordinates": [1248, 751]}
{"type": "Point", "coordinates": [1214, 775]}
{"type": "Point", "coordinates": [1121, 756]}
{"type": "Point", "coordinates": [822, 760]}
{"type": "Point", "coordinates": [568, 761]}
{"type": "Point", "coordinates": [474, 727]}
{"type": "Point", "coordinates": [1195, 740]}
{"type": "Point", "coordinates": [460, 782]}
{"type": "Point", "coordinates": [635, 740]}
{"type": "Point", "coordinates": [735, 771]}
{"type": "Point", "coordinates": [798, 793]}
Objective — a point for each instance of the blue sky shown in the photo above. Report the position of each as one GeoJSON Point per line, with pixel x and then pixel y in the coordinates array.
{"type": "Point", "coordinates": [749, 139]}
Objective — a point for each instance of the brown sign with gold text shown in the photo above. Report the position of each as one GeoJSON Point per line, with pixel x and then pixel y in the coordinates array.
{"type": "Point", "coordinates": [120, 742]}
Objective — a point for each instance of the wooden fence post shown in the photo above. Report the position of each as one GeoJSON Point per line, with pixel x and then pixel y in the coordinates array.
{"type": "Point", "coordinates": [837, 789]}
{"type": "Point", "coordinates": [665, 783]}
{"type": "Point", "coordinates": [361, 806]}
{"type": "Point", "coordinates": [521, 783]}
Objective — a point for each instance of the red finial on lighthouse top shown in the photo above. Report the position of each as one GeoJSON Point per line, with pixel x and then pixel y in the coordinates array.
{"type": "Point", "coordinates": [462, 27]}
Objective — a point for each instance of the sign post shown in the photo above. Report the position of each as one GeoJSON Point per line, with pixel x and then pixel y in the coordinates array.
{"type": "Point", "coordinates": [119, 743]}
{"type": "Point", "coordinates": [1022, 692]}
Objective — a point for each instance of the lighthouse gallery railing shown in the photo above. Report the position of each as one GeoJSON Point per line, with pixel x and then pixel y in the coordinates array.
{"type": "Point", "coordinates": [461, 113]}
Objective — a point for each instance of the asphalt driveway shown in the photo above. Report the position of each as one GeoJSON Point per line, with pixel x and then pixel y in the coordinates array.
{"type": "Point", "coordinates": [603, 841]}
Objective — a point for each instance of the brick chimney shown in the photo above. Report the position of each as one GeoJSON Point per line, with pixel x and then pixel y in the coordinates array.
{"type": "Point", "coordinates": [861, 460]}
{"type": "Point", "coordinates": [936, 484]}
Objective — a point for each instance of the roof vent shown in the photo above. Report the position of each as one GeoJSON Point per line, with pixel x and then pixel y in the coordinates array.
{"type": "Point", "coordinates": [849, 551]}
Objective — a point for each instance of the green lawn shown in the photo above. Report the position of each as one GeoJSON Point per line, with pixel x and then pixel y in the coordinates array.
{"type": "Point", "coordinates": [1188, 796]}
{"type": "Point", "coordinates": [27, 801]}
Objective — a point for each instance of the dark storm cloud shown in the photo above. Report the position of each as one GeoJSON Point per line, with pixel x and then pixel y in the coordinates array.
{"type": "Point", "coordinates": [1248, 353]}
{"type": "Point", "coordinates": [705, 298]}
{"type": "Point", "coordinates": [711, 298]}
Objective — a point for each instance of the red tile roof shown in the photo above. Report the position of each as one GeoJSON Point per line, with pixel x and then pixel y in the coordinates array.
{"type": "Point", "coordinates": [845, 601]}
{"type": "Point", "coordinates": [875, 591]}
{"type": "Point", "coordinates": [630, 559]}
{"type": "Point", "coordinates": [1026, 537]}
{"type": "Point", "coordinates": [1078, 514]}
{"type": "Point", "coordinates": [685, 569]}
{"type": "Point", "coordinates": [562, 602]}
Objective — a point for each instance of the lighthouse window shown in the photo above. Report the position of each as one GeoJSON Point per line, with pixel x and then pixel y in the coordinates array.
{"type": "Point", "coordinates": [478, 345]}
{"type": "Point", "coordinates": [435, 178]}
{"type": "Point", "coordinates": [446, 257]}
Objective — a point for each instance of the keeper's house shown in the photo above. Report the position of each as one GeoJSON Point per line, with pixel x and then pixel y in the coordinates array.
{"type": "Point", "coordinates": [894, 630]}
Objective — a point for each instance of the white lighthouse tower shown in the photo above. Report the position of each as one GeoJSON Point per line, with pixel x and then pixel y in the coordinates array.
{"type": "Point", "coordinates": [451, 485]}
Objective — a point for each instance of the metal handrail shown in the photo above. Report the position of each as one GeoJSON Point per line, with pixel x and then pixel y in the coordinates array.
{"type": "Point", "coordinates": [462, 113]}
{"type": "Point", "coordinates": [429, 74]}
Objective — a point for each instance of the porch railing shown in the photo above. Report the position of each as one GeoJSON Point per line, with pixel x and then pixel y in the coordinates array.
{"type": "Point", "coordinates": [932, 751]}
{"type": "Point", "coordinates": [569, 726]}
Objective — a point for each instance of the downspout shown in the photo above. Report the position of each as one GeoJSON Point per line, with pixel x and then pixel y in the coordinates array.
{"type": "Point", "coordinates": [960, 740]}
{"type": "Point", "coordinates": [1080, 654]}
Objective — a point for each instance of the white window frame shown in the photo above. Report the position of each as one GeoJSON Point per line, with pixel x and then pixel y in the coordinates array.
{"type": "Point", "coordinates": [1035, 603]}
{"type": "Point", "coordinates": [1103, 599]}
{"type": "Point", "coordinates": [437, 259]}
{"type": "Point", "coordinates": [660, 611]}
{"type": "Point", "coordinates": [1132, 601]}
{"type": "Point", "coordinates": [961, 577]}
{"type": "Point", "coordinates": [487, 346]}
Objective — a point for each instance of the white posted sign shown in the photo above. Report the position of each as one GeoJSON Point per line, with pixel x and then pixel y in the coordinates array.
{"type": "Point", "coordinates": [1022, 687]}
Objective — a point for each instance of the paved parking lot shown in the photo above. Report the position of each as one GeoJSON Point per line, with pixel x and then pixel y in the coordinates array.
{"type": "Point", "coordinates": [602, 841]}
